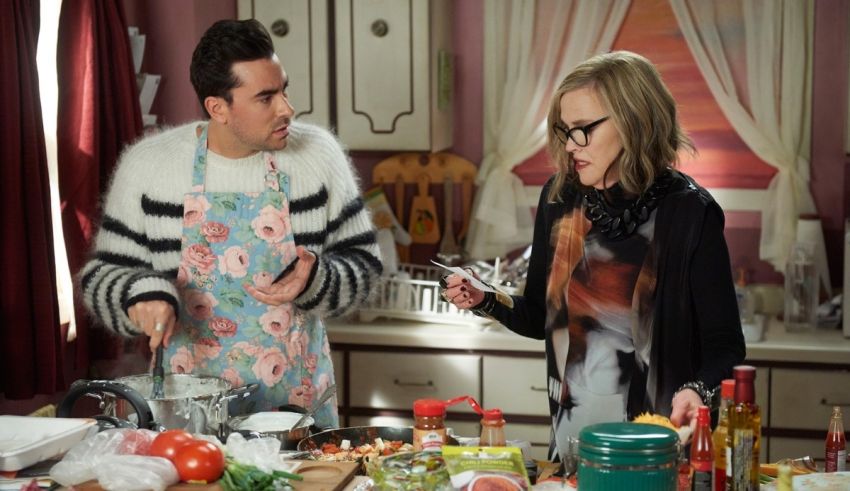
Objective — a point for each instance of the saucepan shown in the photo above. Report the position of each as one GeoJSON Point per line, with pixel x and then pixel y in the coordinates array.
{"type": "Point", "coordinates": [196, 403]}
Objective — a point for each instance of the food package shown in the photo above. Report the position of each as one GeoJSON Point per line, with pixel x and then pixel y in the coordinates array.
{"type": "Point", "coordinates": [486, 468]}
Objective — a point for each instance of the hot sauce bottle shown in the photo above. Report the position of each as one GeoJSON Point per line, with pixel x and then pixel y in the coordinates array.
{"type": "Point", "coordinates": [702, 451]}
{"type": "Point", "coordinates": [836, 444]}
{"type": "Point", "coordinates": [744, 435]}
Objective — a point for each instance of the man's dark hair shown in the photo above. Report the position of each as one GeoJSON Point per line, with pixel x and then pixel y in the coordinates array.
{"type": "Point", "coordinates": [226, 42]}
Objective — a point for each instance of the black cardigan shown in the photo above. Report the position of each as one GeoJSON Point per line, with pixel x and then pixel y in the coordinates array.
{"type": "Point", "coordinates": [696, 326]}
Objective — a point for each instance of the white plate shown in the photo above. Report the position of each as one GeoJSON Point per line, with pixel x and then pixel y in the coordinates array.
{"type": "Point", "coordinates": [26, 440]}
{"type": "Point", "coordinates": [269, 421]}
{"type": "Point", "coordinates": [833, 481]}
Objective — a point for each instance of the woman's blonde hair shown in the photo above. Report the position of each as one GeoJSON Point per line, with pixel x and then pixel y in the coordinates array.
{"type": "Point", "coordinates": [642, 110]}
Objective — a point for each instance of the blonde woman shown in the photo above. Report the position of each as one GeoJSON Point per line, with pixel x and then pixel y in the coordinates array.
{"type": "Point", "coordinates": [629, 282]}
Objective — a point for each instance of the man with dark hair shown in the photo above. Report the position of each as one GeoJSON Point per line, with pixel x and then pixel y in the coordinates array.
{"type": "Point", "coordinates": [229, 240]}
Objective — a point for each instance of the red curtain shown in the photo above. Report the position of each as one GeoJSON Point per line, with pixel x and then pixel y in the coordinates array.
{"type": "Point", "coordinates": [98, 115]}
{"type": "Point", "coordinates": [31, 344]}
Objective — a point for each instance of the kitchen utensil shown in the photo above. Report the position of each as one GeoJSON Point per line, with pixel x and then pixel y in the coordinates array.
{"type": "Point", "coordinates": [357, 435]}
{"type": "Point", "coordinates": [324, 476]}
{"type": "Point", "coordinates": [424, 226]}
{"type": "Point", "coordinates": [158, 374]}
{"type": "Point", "coordinates": [111, 390]}
{"type": "Point", "coordinates": [360, 435]}
{"type": "Point", "coordinates": [466, 202]}
{"type": "Point", "coordinates": [274, 424]}
{"type": "Point", "coordinates": [196, 403]}
{"type": "Point", "coordinates": [450, 252]}
{"type": "Point", "coordinates": [327, 394]}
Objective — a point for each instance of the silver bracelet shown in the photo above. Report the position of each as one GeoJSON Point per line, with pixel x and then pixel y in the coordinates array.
{"type": "Point", "coordinates": [704, 393]}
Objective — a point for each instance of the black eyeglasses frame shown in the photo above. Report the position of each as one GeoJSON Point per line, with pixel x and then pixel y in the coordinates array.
{"type": "Point", "coordinates": [564, 133]}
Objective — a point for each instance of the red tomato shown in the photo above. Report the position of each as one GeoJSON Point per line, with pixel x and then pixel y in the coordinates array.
{"type": "Point", "coordinates": [166, 443]}
{"type": "Point", "coordinates": [199, 460]}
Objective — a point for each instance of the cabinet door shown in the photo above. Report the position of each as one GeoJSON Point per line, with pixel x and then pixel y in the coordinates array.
{"type": "Point", "coordinates": [803, 399]}
{"type": "Point", "coordinates": [390, 72]}
{"type": "Point", "coordinates": [395, 380]}
{"type": "Point", "coordinates": [299, 31]}
{"type": "Point", "coordinates": [781, 448]}
{"type": "Point", "coordinates": [516, 385]}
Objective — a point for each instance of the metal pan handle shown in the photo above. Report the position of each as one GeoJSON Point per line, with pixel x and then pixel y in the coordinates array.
{"type": "Point", "coordinates": [82, 387]}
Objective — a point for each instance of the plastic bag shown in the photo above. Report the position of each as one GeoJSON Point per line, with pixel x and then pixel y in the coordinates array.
{"type": "Point", "coordinates": [135, 473]}
{"type": "Point", "coordinates": [81, 461]}
{"type": "Point", "coordinates": [263, 453]}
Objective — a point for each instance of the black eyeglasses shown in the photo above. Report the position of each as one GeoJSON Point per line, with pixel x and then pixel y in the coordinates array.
{"type": "Point", "coordinates": [579, 134]}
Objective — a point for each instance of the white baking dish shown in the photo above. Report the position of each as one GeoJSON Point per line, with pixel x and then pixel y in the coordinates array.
{"type": "Point", "coordinates": [26, 440]}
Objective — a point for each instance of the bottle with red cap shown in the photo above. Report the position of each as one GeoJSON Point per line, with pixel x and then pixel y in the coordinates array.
{"type": "Point", "coordinates": [702, 451]}
{"type": "Point", "coordinates": [492, 428]}
{"type": "Point", "coordinates": [429, 431]}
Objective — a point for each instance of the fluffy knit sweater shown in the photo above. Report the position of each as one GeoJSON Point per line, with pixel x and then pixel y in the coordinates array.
{"type": "Point", "coordinates": [137, 249]}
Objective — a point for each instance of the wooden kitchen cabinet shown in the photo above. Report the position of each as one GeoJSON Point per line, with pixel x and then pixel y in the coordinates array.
{"type": "Point", "coordinates": [796, 405]}
{"type": "Point", "coordinates": [393, 74]}
{"type": "Point", "coordinates": [299, 31]}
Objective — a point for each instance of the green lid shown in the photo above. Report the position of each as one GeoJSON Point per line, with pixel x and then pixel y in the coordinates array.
{"type": "Point", "coordinates": [628, 444]}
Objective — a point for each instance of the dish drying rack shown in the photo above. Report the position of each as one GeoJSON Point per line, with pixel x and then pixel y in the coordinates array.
{"type": "Point", "coordinates": [414, 293]}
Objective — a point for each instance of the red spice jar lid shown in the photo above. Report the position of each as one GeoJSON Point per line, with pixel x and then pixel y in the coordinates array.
{"type": "Point", "coordinates": [492, 415]}
{"type": "Point", "coordinates": [429, 407]}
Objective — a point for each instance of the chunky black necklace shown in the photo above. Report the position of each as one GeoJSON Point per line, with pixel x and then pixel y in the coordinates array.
{"type": "Point", "coordinates": [636, 213]}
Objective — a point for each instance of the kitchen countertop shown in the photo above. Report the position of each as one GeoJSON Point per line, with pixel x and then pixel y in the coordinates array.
{"type": "Point", "coordinates": [819, 346]}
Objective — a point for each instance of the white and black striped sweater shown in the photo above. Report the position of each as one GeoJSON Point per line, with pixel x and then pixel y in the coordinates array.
{"type": "Point", "coordinates": [137, 249]}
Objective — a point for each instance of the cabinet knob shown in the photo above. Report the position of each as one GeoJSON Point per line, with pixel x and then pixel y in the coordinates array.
{"type": "Point", "coordinates": [280, 28]}
{"type": "Point", "coordinates": [380, 28]}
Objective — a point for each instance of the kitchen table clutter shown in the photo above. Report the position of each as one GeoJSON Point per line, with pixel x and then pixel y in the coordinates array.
{"type": "Point", "coordinates": [649, 453]}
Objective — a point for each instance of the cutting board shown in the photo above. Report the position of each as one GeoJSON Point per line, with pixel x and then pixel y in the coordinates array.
{"type": "Point", "coordinates": [424, 227]}
{"type": "Point", "coordinates": [325, 476]}
{"type": "Point", "coordinates": [318, 476]}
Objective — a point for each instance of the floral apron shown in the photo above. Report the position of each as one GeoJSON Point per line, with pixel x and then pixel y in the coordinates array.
{"type": "Point", "coordinates": [230, 239]}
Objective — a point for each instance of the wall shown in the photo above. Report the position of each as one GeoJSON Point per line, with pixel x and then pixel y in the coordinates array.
{"type": "Point", "coordinates": [169, 51]}
{"type": "Point", "coordinates": [172, 29]}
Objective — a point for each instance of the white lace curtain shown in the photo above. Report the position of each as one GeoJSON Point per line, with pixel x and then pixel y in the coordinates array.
{"type": "Point", "coordinates": [756, 56]}
{"type": "Point", "coordinates": [529, 46]}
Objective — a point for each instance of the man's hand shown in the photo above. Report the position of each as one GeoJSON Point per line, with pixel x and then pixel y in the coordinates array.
{"type": "Point", "coordinates": [147, 315]}
{"type": "Point", "coordinates": [286, 289]}
{"type": "Point", "coordinates": [685, 404]}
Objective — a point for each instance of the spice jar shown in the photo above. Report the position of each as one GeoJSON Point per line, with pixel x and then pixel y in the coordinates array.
{"type": "Point", "coordinates": [429, 431]}
{"type": "Point", "coordinates": [492, 429]}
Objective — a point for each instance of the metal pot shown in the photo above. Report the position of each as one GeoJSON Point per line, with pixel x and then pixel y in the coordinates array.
{"type": "Point", "coordinates": [277, 424]}
{"type": "Point", "coordinates": [196, 403]}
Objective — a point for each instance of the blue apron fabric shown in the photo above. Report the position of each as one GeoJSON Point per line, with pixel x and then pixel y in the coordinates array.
{"type": "Point", "coordinates": [231, 239]}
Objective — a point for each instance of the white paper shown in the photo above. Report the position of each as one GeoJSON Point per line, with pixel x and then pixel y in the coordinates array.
{"type": "Point", "coordinates": [137, 47]}
{"type": "Point", "coordinates": [465, 274]}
